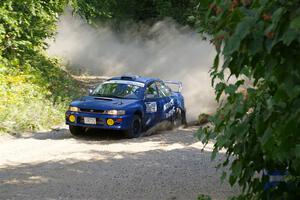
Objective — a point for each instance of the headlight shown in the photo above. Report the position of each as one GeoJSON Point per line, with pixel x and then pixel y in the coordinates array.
{"type": "Point", "coordinates": [115, 112]}
{"type": "Point", "coordinates": [74, 109]}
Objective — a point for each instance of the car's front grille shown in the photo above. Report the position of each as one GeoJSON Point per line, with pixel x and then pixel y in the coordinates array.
{"type": "Point", "coordinates": [92, 111]}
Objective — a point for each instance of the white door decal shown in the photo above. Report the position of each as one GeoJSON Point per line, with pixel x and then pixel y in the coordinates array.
{"type": "Point", "coordinates": [151, 107]}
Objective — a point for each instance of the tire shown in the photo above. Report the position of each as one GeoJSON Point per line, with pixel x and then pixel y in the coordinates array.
{"type": "Point", "coordinates": [136, 128]}
{"type": "Point", "coordinates": [183, 117]}
{"type": "Point", "coordinates": [179, 118]}
{"type": "Point", "coordinates": [76, 130]}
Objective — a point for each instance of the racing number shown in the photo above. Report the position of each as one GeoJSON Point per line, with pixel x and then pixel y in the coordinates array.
{"type": "Point", "coordinates": [151, 105]}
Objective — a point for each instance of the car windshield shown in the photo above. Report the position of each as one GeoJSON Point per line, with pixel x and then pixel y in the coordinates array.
{"type": "Point", "coordinates": [115, 89]}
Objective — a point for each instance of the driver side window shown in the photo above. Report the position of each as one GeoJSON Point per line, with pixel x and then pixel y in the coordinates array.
{"type": "Point", "coordinates": [151, 91]}
{"type": "Point", "coordinates": [163, 90]}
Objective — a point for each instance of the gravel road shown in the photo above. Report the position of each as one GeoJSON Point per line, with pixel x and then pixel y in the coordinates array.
{"type": "Point", "coordinates": [104, 165]}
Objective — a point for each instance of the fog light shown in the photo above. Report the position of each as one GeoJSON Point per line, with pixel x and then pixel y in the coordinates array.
{"type": "Point", "coordinates": [110, 122]}
{"type": "Point", "coordinates": [72, 118]}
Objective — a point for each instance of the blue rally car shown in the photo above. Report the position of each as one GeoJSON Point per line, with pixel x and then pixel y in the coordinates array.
{"type": "Point", "coordinates": [128, 103]}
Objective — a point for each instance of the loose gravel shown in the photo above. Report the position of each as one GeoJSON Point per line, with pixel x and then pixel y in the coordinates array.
{"type": "Point", "coordinates": [104, 165]}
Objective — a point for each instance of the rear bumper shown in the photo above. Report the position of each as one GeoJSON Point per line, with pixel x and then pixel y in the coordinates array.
{"type": "Point", "coordinates": [120, 122]}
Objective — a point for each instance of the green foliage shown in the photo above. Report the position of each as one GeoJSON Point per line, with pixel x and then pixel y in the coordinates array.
{"type": "Point", "coordinates": [258, 39]}
{"type": "Point", "coordinates": [34, 89]}
{"type": "Point", "coordinates": [25, 24]}
{"type": "Point", "coordinates": [120, 12]}
{"type": "Point", "coordinates": [203, 118]}
{"type": "Point", "coordinates": [34, 96]}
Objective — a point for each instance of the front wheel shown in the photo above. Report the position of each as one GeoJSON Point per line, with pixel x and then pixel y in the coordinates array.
{"type": "Point", "coordinates": [76, 130]}
{"type": "Point", "coordinates": [135, 130]}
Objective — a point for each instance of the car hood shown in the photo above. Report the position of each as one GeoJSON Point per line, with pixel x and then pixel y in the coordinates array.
{"type": "Point", "coordinates": [103, 103]}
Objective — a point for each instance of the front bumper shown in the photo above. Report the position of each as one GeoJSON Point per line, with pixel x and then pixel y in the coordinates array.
{"type": "Point", "coordinates": [120, 122]}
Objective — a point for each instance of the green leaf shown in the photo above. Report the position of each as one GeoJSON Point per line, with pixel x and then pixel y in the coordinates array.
{"type": "Point", "coordinates": [277, 16]}
{"type": "Point", "coordinates": [266, 136]}
{"type": "Point", "coordinates": [216, 62]}
{"type": "Point", "coordinates": [242, 30]}
{"type": "Point", "coordinates": [295, 23]}
{"type": "Point", "coordinates": [214, 154]}
{"type": "Point", "coordinates": [232, 180]}
{"type": "Point", "coordinates": [221, 141]}
{"type": "Point", "coordinates": [256, 43]}
{"type": "Point", "coordinates": [230, 89]}
{"type": "Point", "coordinates": [297, 151]}
{"type": "Point", "coordinates": [219, 90]}
{"type": "Point", "coordinates": [236, 167]}
{"type": "Point", "coordinates": [223, 177]}
{"type": "Point", "coordinates": [289, 36]}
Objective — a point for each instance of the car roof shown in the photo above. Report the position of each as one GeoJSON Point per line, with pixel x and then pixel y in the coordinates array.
{"type": "Point", "coordinates": [142, 79]}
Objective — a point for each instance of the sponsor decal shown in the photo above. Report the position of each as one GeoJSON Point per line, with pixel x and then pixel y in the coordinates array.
{"type": "Point", "coordinates": [169, 105]}
{"type": "Point", "coordinates": [139, 84]}
{"type": "Point", "coordinates": [151, 107]}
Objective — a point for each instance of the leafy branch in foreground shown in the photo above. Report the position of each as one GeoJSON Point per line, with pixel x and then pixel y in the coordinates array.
{"type": "Point", "coordinates": [259, 128]}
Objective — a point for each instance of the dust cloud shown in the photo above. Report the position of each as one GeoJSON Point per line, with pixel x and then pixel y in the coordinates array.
{"type": "Point", "coordinates": [165, 50]}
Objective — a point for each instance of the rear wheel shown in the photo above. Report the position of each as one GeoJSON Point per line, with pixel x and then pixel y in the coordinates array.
{"type": "Point", "coordinates": [179, 118]}
{"type": "Point", "coordinates": [76, 130]}
{"type": "Point", "coordinates": [136, 128]}
{"type": "Point", "coordinates": [183, 118]}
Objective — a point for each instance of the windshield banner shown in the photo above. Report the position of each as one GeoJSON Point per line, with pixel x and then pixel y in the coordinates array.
{"type": "Point", "coordinates": [126, 82]}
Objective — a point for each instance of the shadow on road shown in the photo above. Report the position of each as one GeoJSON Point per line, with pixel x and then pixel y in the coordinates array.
{"type": "Point", "coordinates": [64, 133]}
{"type": "Point", "coordinates": [110, 136]}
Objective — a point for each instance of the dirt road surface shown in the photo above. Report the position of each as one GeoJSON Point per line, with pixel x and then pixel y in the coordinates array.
{"type": "Point", "coordinates": [104, 165]}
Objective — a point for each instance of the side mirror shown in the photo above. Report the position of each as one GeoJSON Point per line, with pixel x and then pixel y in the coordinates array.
{"type": "Point", "coordinates": [91, 91]}
{"type": "Point", "coordinates": [149, 96]}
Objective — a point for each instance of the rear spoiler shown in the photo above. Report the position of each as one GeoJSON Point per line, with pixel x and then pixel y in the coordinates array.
{"type": "Point", "coordinates": [176, 86]}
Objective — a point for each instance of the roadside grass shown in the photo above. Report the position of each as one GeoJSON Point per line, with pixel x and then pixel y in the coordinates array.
{"type": "Point", "coordinates": [34, 95]}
